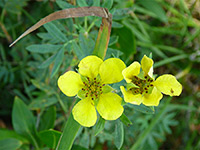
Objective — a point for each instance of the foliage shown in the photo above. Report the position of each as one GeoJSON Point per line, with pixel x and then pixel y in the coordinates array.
{"type": "Point", "coordinates": [32, 105]}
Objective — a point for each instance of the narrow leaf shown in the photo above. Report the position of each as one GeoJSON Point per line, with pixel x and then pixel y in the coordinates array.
{"type": "Point", "coordinates": [10, 144]}
{"type": "Point", "coordinates": [81, 3]}
{"type": "Point", "coordinates": [55, 32]}
{"type": "Point", "coordinates": [5, 134]}
{"type": "Point", "coordinates": [58, 62]}
{"type": "Point", "coordinates": [47, 62]}
{"type": "Point", "coordinates": [142, 108]}
{"type": "Point", "coordinates": [125, 120]}
{"type": "Point", "coordinates": [50, 137]}
{"type": "Point", "coordinates": [67, 138]}
{"type": "Point", "coordinates": [43, 48]}
{"type": "Point", "coordinates": [23, 121]}
{"type": "Point", "coordinates": [99, 126]}
{"type": "Point", "coordinates": [119, 134]}
{"type": "Point", "coordinates": [48, 119]}
{"type": "Point", "coordinates": [154, 7]}
{"type": "Point", "coordinates": [108, 4]}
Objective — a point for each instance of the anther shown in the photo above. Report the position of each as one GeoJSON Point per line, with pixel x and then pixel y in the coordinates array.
{"type": "Point", "coordinates": [145, 77]}
{"type": "Point", "coordinates": [151, 84]}
{"type": "Point", "coordinates": [92, 98]}
{"type": "Point", "coordinates": [145, 88]}
{"type": "Point", "coordinates": [146, 91]}
{"type": "Point", "coordinates": [83, 89]}
{"type": "Point", "coordinates": [103, 84]}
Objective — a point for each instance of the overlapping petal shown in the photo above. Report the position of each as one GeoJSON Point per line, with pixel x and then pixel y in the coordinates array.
{"type": "Point", "coordinates": [152, 99]}
{"type": "Point", "coordinates": [89, 66]}
{"type": "Point", "coordinates": [70, 83]}
{"type": "Point", "coordinates": [109, 106]}
{"type": "Point", "coordinates": [168, 85]}
{"type": "Point", "coordinates": [131, 71]}
{"type": "Point", "coordinates": [111, 70]}
{"type": "Point", "coordinates": [84, 112]}
{"type": "Point", "coordinates": [147, 64]}
{"type": "Point", "coordinates": [129, 97]}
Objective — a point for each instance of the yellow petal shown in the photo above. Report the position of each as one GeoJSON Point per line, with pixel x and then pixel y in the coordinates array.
{"type": "Point", "coordinates": [152, 99]}
{"type": "Point", "coordinates": [70, 83]}
{"type": "Point", "coordinates": [168, 85]}
{"type": "Point", "coordinates": [111, 70]}
{"type": "Point", "coordinates": [147, 64]}
{"type": "Point", "coordinates": [131, 71]}
{"type": "Point", "coordinates": [129, 97]}
{"type": "Point", "coordinates": [84, 112]}
{"type": "Point", "coordinates": [89, 66]}
{"type": "Point", "coordinates": [109, 106]}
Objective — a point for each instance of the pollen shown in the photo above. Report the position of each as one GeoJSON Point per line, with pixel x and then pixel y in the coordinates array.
{"type": "Point", "coordinates": [93, 88]}
{"type": "Point", "coordinates": [145, 85]}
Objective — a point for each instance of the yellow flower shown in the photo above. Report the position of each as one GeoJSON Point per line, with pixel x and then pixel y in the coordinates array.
{"type": "Point", "coordinates": [90, 86]}
{"type": "Point", "coordinates": [141, 86]}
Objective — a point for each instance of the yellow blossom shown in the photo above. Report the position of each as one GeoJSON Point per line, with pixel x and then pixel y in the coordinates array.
{"type": "Point", "coordinates": [90, 85]}
{"type": "Point", "coordinates": [141, 86]}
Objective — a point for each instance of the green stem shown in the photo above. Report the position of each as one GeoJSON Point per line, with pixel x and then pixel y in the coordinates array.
{"type": "Point", "coordinates": [153, 123]}
{"type": "Point", "coordinates": [69, 134]}
{"type": "Point", "coordinates": [103, 37]}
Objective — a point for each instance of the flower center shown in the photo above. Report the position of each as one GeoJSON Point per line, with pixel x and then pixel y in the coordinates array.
{"type": "Point", "coordinates": [143, 85]}
{"type": "Point", "coordinates": [93, 88]}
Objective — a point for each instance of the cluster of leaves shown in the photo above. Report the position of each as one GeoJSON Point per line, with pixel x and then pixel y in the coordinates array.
{"type": "Point", "coordinates": [167, 29]}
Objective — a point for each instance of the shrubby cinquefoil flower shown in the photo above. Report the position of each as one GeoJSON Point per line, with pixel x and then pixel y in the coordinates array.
{"type": "Point", "coordinates": [90, 85]}
{"type": "Point", "coordinates": [141, 86]}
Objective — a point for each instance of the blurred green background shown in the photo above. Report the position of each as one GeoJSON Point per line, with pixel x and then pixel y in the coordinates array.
{"type": "Point", "coordinates": [169, 29]}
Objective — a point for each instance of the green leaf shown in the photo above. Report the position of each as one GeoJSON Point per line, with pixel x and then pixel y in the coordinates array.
{"type": "Point", "coordinates": [5, 134]}
{"type": "Point", "coordinates": [81, 3]}
{"type": "Point", "coordinates": [99, 126]}
{"type": "Point", "coordinates": [78, 147]}
{"type": "Point", "coordinates": [116, 25]}
{"type": "Point", "coordinates": [107, 89]}
{"type": "Point", "coordinates": [43, 48]}
{"type": "Point", "coordinates": [119, 134]}
{"type": "Point", "coordinates": [96, 3]}
{"type": "Point", "coordinates": [170, 60]}
{"type": "Point", "coordinates": [107, 4]}
{"type": "Point", "coordinates": [126, 42]}
{"type": "Point", "coordinates": [125, 120]}
{"type": "Point", "coordinates": [50, 137]}
{"type": "Point", "coordinates": [58, 62]}
{"type": "Point", "coordinates": [47, 62]}
{"type": "Point", "coordinates": [48, 119]}
{"type": "Point", "coordinates": [64, 4]}
{"type": "Point", "coordinates": [67, 138]}
{"type": "Point", "coordinates": [23, 121]}
{"type": "Point", "coordinates": [154, 7]}
{"type": "Point", "coordinates": [42, 86]}
{"type": "Point", "coordinates": [113, 40]}
{"type": "Point", "coordinates": [10, 144]}
{"type": "Point", "coordinates": [78, 51]}
{"type": "Point", "coordinates": [55, 32]}
{"type": "Point", "coordinates": [42, 103]}
{"type": "Point", "coordinates": [142, 108]}
{"type": "Point", "coordinates": [113, 53]}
